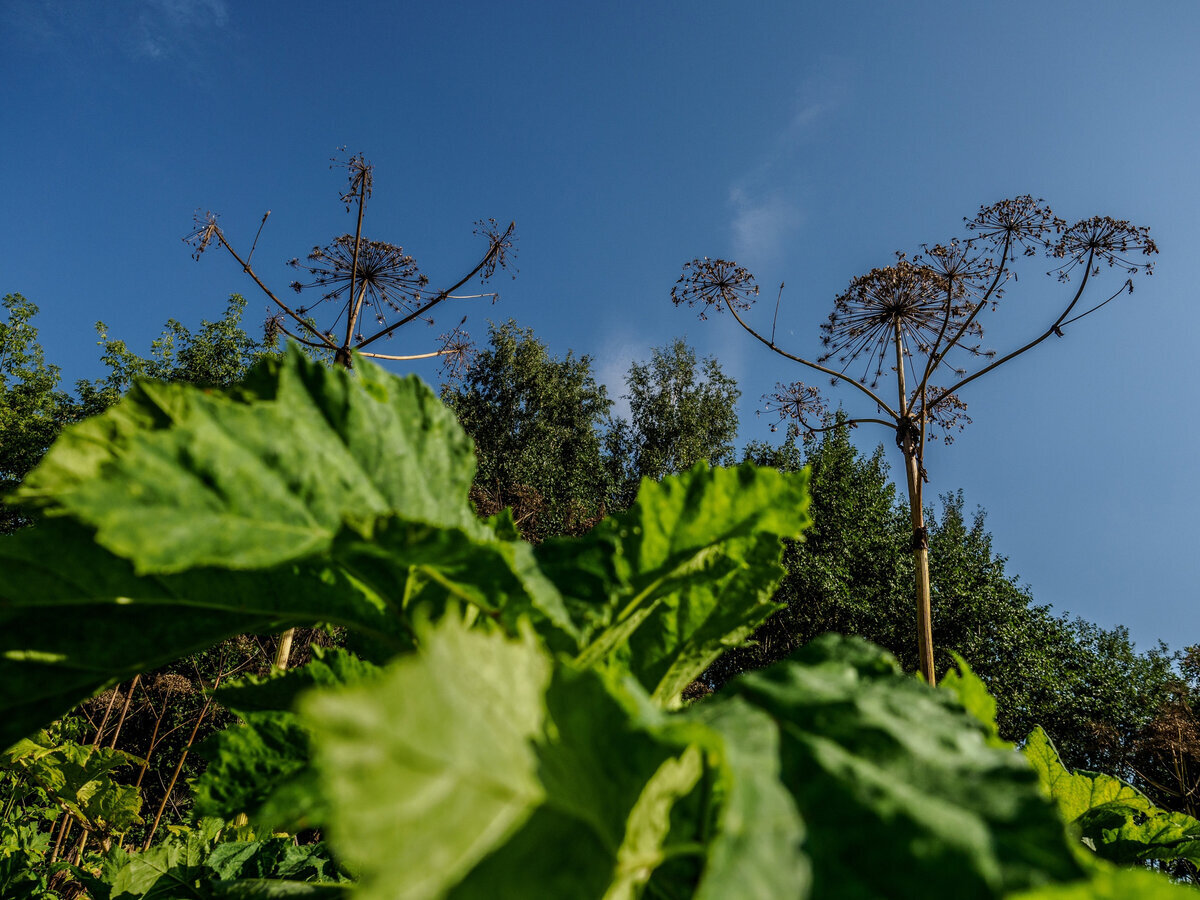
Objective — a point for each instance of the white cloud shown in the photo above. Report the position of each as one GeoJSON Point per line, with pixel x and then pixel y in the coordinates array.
{"type": "Point", "coordinates": [765, 212]}
{"type": "Point", "coordinates": [153, 29]}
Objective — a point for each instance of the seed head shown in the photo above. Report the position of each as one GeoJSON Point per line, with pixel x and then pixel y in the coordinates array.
{"type": "Point", "coordinates": [712, 282]}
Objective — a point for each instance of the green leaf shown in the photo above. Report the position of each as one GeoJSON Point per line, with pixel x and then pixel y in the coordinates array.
{"type": "Point", "coordinates": [1113, 884]}
{"type": "Point", "coordinates": [263, 766]}
{"type": "Point", "coordinates": [899, 790]}
{"type": "Point", "coordinates": [755, 853]}
{"type": "Point", "coordinates": [1116, 819]}
{"type": "Point", "coordinates": [78, 778]}
{"type": "Point", "coordinates": [171, 870]}
{"type": "Point", "coordinates": [111, 624]}
{"type": "Point", "coordinates": [304, 495]}
{"type": "Point", "coordinates": [175, 477]}
{"type": "Point", "coordinates": [1077, 792]}
{"type": "Point", "coordinates": [685, 573]}
{"type": "Point", "coordinates": [433, 765]}
{"type": "Point", "coordinates": [1124, 834]}
{"type": "Point", "coordinates": [975, 698]}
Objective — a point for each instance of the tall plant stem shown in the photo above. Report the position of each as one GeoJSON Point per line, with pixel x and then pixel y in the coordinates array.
{"type": "Point", "coordinates": [910, 445]}
{"type": "Point", "coordinates": [284, 650]}
{"type": "Point", "coordinates": [179, 765]}
{"type": "Point", "coordinates": [124, 711]}
{"type": "Point", "coordinates": [153, 736]}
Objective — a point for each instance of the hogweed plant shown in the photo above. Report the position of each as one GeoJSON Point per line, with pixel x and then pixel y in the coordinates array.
{"type": "Point", "coordinates": [362, 281]}
{"type": "Point", "coordinates": [919, 321]}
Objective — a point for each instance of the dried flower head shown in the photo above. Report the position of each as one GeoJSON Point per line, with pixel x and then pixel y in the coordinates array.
{"type": "Point", "coordinates": [907, 298]}
{"type": "Point", "coordinates": [361, 177]}
{"type": "Point", "coordinates": [1102, 239]}
{"type": "Point", "coordinates": [503, 247]}
{"type": "Point", "coordinates": [172, 683]}
{"type": "Point", "coordinates": [201, 235]}
{"type": "Point", "coordinates": [712, 282]}
{"type": "Point", "coordinates": [948, 415]}
{"type": "Point", "coordinates": [387, 278]}
{"type": "Point", "coordinates": [1020, 222]}
{"type": "Point", "coordinates": [457, 351]}
{"type": "Point", "coordinates": [797, 402]}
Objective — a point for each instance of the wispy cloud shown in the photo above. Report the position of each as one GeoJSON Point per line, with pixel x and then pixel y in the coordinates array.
{"type": "Point", "coordinates": [143, 29]}
{"type": "Point", "coordinates": [763, 200]}
{"type": "Point", "coordinates": [164, 28]}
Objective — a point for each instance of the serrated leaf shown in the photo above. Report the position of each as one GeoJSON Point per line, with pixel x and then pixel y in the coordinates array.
{"type": "Point", "coordinates": [1077, 792]}
{"type": "Point", "coordinates": [175, 477]}
{"type": "Point", "coordinates": [975, 698]}
{"type": "Point", "coordinates": [182, 516]}
{"type": "Point", "coordinates": [686, 572]}
{"type": "Point", "coordinates": [887, 770]}
{"type": "Point", "coordinates": [433, 765]}
{"type": "Point", "coordinates": [756, 852]}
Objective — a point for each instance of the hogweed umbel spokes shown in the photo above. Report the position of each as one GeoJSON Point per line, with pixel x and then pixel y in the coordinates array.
{"type": "Point", "coordinates": [357, 280]}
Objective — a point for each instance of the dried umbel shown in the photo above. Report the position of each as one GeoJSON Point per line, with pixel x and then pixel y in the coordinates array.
{"type": "Point", "coordinates": [364, 280]}
{"type": "Point", "coordinates": [904, 301]}
{"type": "Point", "coordinates": [172, 683]}
{"type": "Point", "coordinates": [386, 278]}
{"type": "Point", "coordinates": [712, 282]}
{"type": "Point", "coordinates": [1020, 222]}
{"type": "Point", "coordinates": [1102, 239]}
{"type": "Point", "coordinates": [797, 402]}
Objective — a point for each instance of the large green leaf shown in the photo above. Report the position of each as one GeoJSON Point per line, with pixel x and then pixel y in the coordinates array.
{"type": "Point", "coordinates": [470, 770]}
{"type": "Point", "coordinates": [901, 794]}
{"type": "Point", "coordinates": [182, 516]}
{"type": "Point", "coordinates": [666, 587]}
{"type": "Point", "coordinates": [79, 779]}
{"type": "Point", "coordinates": [1116, 820]}
{"type": "Point", "coordinates": [433, 765]}
{"type": "Point", "coordinates": [755, 852]}
{"type": "Point", "coordinates": [1077, 792]}
{"type": "Point", "coordinates": [175, 478]}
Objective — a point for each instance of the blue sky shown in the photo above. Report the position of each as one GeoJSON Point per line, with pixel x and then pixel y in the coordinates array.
{"type": "Point", "coordinates": [806, 140]}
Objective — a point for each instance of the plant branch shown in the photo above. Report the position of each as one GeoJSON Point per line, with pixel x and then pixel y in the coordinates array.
{"type": "Point", "coordinates": [441, 295]}
{"type": "Point", "coordinates": [1049, 331]}
{"type": "Point", "coordinates": [266, 290]}
{"type": "Point", "coordinates": [839, 376]}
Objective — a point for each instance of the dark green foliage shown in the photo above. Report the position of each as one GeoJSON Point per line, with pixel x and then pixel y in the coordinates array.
{"type": "Point", "coordinates": [679, 414]}
{"type": "Point", "coordinates": [535, 422]}
{"type": "Point", "coordinates": [219, 354]}
{"type": "Point", "coordinates": [33, 410]}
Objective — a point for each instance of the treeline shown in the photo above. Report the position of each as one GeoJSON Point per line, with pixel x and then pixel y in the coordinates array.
{"type": "Point", "coordinates": [550, 448]}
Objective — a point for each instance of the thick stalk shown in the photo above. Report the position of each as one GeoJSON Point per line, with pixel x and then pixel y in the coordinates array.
{"type": "Point", "coordinates": [920, 542]}
{"type": "Point", "coordinates": [285, 649]}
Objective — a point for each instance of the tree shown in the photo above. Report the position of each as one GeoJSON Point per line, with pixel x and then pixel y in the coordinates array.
{"type": "Point", "coordinates": [680, 413]}
{"type": "Point", "coordinates": [920, 319]}
{"type": "Point", "coordinates": [33, 409]}
{"type": "Point", "coordinates": [536, 422]}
